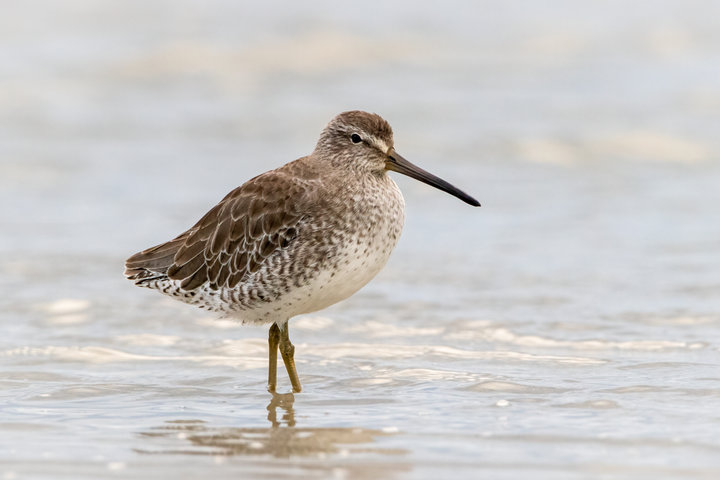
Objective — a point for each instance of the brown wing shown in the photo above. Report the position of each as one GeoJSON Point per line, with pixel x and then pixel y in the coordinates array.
{"type": "Point", "coordinates": [234, 238]}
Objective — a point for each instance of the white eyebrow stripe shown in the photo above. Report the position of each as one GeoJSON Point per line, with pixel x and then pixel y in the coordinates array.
{"type": "Point", "coordinates": [380, 144]}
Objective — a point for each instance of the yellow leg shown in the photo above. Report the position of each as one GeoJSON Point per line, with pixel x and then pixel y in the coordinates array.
{"type": "Point", "coordinates": [273, 340]}
{"type": "Point", "coordinates": [287, 350]}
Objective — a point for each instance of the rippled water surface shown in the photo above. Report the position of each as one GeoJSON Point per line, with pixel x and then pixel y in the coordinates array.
{"type": "Point", "coordinates": [569, 328]}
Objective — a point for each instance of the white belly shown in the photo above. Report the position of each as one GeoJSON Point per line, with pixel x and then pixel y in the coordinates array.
{"type": "Point", "coordinates": [356, 264]}
{"type": "Point", "coordinates": [354, 271]}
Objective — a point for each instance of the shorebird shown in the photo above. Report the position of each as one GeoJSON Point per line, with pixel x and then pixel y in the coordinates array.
{"type": "Point", "coordinates": [293, 240]}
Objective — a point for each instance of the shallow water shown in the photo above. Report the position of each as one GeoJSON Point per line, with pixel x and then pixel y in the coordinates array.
{"type": "Point", "coordinates": [569, 328]}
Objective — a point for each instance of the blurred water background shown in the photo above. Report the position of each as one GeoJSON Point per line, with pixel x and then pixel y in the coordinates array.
{"type": "Point", "coordinates": [569, 328]}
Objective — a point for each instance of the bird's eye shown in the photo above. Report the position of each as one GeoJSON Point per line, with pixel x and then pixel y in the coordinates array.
{"type": "Point", "coordinates": [355, 138]}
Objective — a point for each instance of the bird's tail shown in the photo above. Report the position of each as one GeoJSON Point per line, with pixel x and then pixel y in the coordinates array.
{"type": "Point", "coordinates": [153, 263]}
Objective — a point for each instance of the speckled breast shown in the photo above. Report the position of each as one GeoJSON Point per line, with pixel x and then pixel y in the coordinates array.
{"type": "Point", "coordinates": [343, 252]}
{"type": "Point", "coordinates": [364, 249]}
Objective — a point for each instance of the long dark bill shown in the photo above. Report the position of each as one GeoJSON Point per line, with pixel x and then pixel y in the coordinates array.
{"type": "Point", "coordinates": [398, 164]}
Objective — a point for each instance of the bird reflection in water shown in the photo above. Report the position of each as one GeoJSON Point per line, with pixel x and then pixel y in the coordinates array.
{"type": "Point", "coordinates": [285, 402]}
{"type": "Point", "coordinates": [282, 439]}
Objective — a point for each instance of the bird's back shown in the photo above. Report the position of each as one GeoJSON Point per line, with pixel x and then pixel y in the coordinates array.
{"type": "Point", "coordinates": [233, 239]}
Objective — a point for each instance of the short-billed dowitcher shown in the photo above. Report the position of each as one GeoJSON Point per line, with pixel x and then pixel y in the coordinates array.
{"type": "Point", "coordinates": [293, 240]}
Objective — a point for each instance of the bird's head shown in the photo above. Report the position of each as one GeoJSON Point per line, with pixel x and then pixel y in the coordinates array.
{"type": "Point", "coordinates": [363, 142]}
